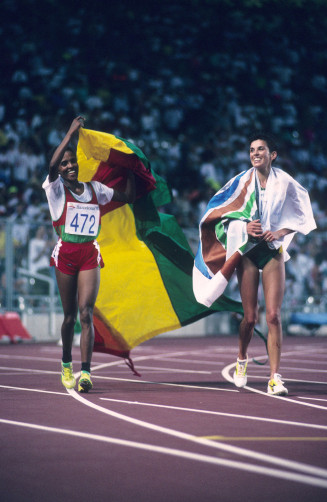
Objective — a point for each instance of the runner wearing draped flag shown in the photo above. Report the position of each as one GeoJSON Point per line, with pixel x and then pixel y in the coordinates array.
{"type": "Point", "coordinates": [248, 226]}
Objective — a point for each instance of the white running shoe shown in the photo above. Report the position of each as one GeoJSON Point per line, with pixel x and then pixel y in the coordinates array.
{"type": "Point", "coordinates": [239, 376]}
{"type": "Point", "coordinates": [276, 386]}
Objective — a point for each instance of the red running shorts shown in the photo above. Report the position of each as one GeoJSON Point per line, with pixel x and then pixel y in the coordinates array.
{"type": "Point", "coordinates": [70, 258]}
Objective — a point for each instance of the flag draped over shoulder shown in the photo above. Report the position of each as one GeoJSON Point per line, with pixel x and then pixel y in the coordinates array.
{"type": "Point", "coordinates": [146, 284]}
{"type": "Point", "coordinates": [223, 236]}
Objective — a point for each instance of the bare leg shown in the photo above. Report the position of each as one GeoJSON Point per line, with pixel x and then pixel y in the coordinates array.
{"type": "Point", "coordinates": [248, 280]}
{"type": "Point", "coordinates": [88, 287]}
{"type": "Point", "coordinates": [273, 280]}
{"type": "Point", "coordinates": [67, 285]}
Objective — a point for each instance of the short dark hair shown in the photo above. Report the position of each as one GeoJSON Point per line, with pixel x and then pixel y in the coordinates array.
{"type": "Point", "coordinates": [267, 137]}
{"type": "Point", "coordinates": [69, 148]}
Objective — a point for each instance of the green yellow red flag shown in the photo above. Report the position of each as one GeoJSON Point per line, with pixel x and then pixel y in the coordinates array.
{"type": "Point", "coordinates": [146, 284]}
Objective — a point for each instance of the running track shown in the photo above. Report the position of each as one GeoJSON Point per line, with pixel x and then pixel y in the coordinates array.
{"type": "Point", "coordinates": [181, 432]}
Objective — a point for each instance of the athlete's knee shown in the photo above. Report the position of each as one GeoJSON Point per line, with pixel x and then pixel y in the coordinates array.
{"type": "Point", "coordinates": [69, 320]}
{"type": "Point", "coordinates": [273, 317]}
{"type": "Point", "coordinates": [86, 314]}
{"type": "Point", "coordinates": [250, 320]}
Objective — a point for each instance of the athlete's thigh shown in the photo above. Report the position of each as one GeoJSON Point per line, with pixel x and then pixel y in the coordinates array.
{"type": "Point", "coordinates": [273, 281]}
{"type": "Point", "coordinates": [248, 280]}
{"type": "Point", "coordinates": [67, 285]}
{"type": "Point", "coordinates": [88, 287]}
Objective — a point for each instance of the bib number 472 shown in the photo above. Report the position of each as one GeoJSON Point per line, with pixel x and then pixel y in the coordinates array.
{"type": "Point", "coordinates": [82, 219]}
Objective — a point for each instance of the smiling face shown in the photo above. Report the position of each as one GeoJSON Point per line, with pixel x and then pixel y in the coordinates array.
{"type": "Point", "coordinates": [260, 155]}
{"type": "Point", "coordinates": [68, 167]}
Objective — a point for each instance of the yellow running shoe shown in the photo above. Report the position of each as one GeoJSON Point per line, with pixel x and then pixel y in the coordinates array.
{"type": "Point", "coordinates": [85, 382]}
{"type": "Point", "coordinates": [276, 386]}
{"type": "Point", "coordinates": [67, 375]}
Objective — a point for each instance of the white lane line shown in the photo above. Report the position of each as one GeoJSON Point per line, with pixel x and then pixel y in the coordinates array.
{"type": "Point", "coordinates": [147, 357]}
{"type": "Point", "coordinates": [309, 348]}
{"type": "Point", "coordinates": [256, 469]}
{"type": "Point", "coordinates": [218, 350]}
{"type": "Point", "coordinates": [295, 352]}
{"type": "Point", "coordinates": [10, 373]}
{"type": "Point", "coordinates": [257, 377]}
{"type": "Point", "coordinates": [221, 414]}
{"type": "Point", "coordinates": [191, 361]}
{"type": "Point", "coordinates": [288, 464]}
{"type": "Point", "coordinates": [316, 360]}
{"type": "Point", "coordinates": [303, 369]}
{"type": "Point", "coordinates": [121, 362]}
{"type": "Point", "coordinates": [242, 451]}
{"type": "Point", "coordinates": [229, 378]}
{"type": "Point", "coordinates": [172, 370]}
{"type": "Point", "coordinates": [312, 398]}
{"type": "Point", "coordinates": [185, 386]}
{"type": "Point", "coordinates": [34, 390]}
{"type": "Point", "coordinates": [29, 358]}
{"type": "Point", "coordinates": [115, 363]}
{"type": "Point", "coordinates": [29, 370]}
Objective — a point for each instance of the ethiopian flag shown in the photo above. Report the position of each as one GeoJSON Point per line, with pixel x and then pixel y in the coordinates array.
{"type": "Point", "coordinates": [146, 284]}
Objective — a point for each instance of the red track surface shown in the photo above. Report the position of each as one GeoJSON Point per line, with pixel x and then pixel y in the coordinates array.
{"type": "Point", "coordinates": [181, 432]}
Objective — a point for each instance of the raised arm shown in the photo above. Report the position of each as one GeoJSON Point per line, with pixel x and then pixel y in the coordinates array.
{"type": "Point", "coordinates": [60, 150]}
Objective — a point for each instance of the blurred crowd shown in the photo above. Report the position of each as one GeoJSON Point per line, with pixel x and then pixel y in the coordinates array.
{"type": "Point", "coordinates": [187, 82]}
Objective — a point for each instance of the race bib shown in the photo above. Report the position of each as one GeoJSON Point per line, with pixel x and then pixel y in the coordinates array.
{"type": "Point", "coordinates": [82, 219]}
